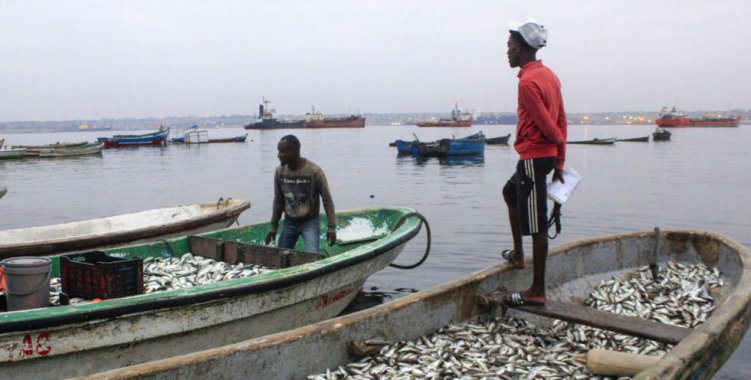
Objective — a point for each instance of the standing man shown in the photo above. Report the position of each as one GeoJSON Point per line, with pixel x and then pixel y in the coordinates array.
{"type": "Point", "coordinates": [298, 185]}
{"type": "Point", "coordinates": [541, 144]}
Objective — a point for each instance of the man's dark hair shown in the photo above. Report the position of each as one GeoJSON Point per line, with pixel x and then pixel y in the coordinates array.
{"type": "Point", "coordinates": [293, 141]}
{"type": "Point", "coordinates": [518, 37]}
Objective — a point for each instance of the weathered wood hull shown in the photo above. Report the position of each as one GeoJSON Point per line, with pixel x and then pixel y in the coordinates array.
{"type": "Point", "coordinates": [86, 150]}
{"type": "Point", "coordinates": [120, 229]}
{"type": "Point", "coordinates": [572, 269]}
{"type": "Point", "coordinates": [158, 138]}
{"type": "Point", "coordinates": [83, 339]}
{"type": "Point", "coordinates": [635, 139]}
{"type": "Point", "coordinates": [6, 154]}
{"type": "Point", "coordinates": [608, 141]}
{"type": "Point", "coordinates": [35, 150]}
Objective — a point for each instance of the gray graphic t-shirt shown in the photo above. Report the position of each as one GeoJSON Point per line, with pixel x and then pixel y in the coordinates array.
{"type": "Point", "coordinates": [297, 192]}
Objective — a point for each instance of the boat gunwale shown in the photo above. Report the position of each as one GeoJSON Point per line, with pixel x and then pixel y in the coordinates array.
{"type": "Point", "coordinates": [18, 321]}
{"type": "Point", "coordinates": [66, 244]}
{"type": "Point", "coordinates": [680, 362]}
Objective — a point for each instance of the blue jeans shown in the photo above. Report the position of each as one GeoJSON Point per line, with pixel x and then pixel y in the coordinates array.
{"type": "Point", "coordinates": [310, 231]}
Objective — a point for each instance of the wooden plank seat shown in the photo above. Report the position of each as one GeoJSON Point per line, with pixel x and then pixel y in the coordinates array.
{"type": "Point", "coordinates": [633, 326]}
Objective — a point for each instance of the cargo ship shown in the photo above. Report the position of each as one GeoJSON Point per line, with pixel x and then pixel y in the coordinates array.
{"type": "Point", "coordinates": [458, 119]}
{"type": "Point", "coordinates": [675, 118]}
{"type": "Point", "coordinates": [266, 119]}
{"type": "Point", "coordinates": [315, 119]}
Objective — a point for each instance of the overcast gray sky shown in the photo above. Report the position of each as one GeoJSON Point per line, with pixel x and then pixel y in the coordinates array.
{"type": "Point", "coordinates": [98, 59]}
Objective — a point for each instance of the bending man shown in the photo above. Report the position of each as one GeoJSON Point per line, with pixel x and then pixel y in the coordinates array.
{"type": "Point", "coordinates": [299, 185]}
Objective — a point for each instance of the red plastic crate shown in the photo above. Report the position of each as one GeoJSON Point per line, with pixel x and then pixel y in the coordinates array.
{"type": "Point", "coordinates": [97, 275]}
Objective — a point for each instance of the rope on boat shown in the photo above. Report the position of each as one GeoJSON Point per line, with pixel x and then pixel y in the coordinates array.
{"type": "Point", "coordinates": [399, 222]}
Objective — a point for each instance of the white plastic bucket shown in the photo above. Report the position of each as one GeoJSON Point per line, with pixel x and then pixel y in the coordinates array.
{"type": "Point", "coordinates": [27, 282]}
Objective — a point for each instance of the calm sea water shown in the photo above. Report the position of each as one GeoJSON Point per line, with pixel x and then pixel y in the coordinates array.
{"type": "Point", "coordinates": [698, 180]}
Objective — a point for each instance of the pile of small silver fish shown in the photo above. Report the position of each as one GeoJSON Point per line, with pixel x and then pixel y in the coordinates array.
{"type": "Point", "coordinates": [162, 274]}
{"type": "Point", "coordinates": [513, 348]}
{"type": "Point", "coordinates": [681, 296]}
{"type": "Point", "coordinates": [188, 271]}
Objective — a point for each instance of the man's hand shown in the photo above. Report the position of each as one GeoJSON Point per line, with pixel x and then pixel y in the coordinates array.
{"type": "Point", "coordinates": [331, 236]}
{"type": "Point", "coordinates": [558, 175]}
{"type": "Point", "coordinates": [270, 237]}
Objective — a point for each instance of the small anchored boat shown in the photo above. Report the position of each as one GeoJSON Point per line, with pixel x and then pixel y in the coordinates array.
{"type": "Point", "coordinates": [35, 150]}
{"type": "Point", "coordinates": [236, 139]}
{"type": "Point", "coordinates": [299, 288]}
{"type": "Point", "coordinates": [498, 140]}
{"type": "Point", "coordinates": [84, 150]}
{"type": "Point", "coordinates": [572, 270]}
{"type": "Point", "coordinates": [11, 153]}
{"type": "Point", "coordinates": [470, 145]}
{"type": "Point", "coordinates": [194, 135]}
{"type": "Point", "coordinates": [661, 134]}
{"type": "Point", "coordinates": [596, 141]}
{"type": "Point", "coordinates": [157, 138]}
{"type": "Point", "coordinates": [406, 147]}
{"type": "Point", "coordinates": [635, 139]}
{"type": "Point", "coordinates": [121, 229]}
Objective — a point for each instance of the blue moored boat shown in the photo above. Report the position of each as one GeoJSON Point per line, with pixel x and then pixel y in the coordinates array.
{"type": "Point", "coordinates": [470, 145]}
{"type": "Point", "coordinates": [406, 147]}
{"type": "Point", "coordinates": [154, 138]}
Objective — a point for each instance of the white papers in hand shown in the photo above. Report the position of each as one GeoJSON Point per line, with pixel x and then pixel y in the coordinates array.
{"type": "Point", "coordinates": [560, 192]}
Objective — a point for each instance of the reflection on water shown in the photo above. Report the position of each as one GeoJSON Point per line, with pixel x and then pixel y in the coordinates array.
{"type": "Point", "coordinates": [473, 160]}
{"type": "Point", "coordinates": [468, 161]}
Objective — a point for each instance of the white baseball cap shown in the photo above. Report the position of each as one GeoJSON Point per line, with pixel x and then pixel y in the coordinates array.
{"type": "Point", "coordinates": [532, 31]}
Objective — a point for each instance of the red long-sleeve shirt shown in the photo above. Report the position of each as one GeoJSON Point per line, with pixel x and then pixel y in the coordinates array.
{"type": "Point", "coordinates": [541, 131]}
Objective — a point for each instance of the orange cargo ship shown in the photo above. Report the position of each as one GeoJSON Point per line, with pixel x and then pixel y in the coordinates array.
{"type": "Point", "coordinates": [458, 119]}
{"type": "Point", "coordinates": [675, 118]}
{"type": "Point", "coordinates": [316, 119]}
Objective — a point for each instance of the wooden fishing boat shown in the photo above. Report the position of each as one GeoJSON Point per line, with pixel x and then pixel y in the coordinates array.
{"type": "Point", "coordinates": [35, 150]}
{"type": "Point", "coordinates": [10, 153]}
{"type": "Point", "coordinates": [498, 140]}
{"type": "Point", "coordinates": [121, 229]}
{"type": "Point", "coordinates": [303, 288]}
{"type": "Point", "coordinates": [635, 139]}
{"type": "Point", "coordinates": [157, 138]}
{"type": "Point", "coordinates": [236, 139]}
{"type": "Point", "coordinates": [84, 150]}
{"type": "Point", "coordinates": [466, 146]}
{"type": "Point", "coordinates": [596, 141]}
{"type": "Point", "coordinates": [406, 147]}
{"type": "Point", "coordinates": [572, 269]}
{"type": "Point", "coordinates": [201, 136]}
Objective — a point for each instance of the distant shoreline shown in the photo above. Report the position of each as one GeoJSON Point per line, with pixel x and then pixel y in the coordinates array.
{"type": "Point", "coordinates": [374, 119]}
